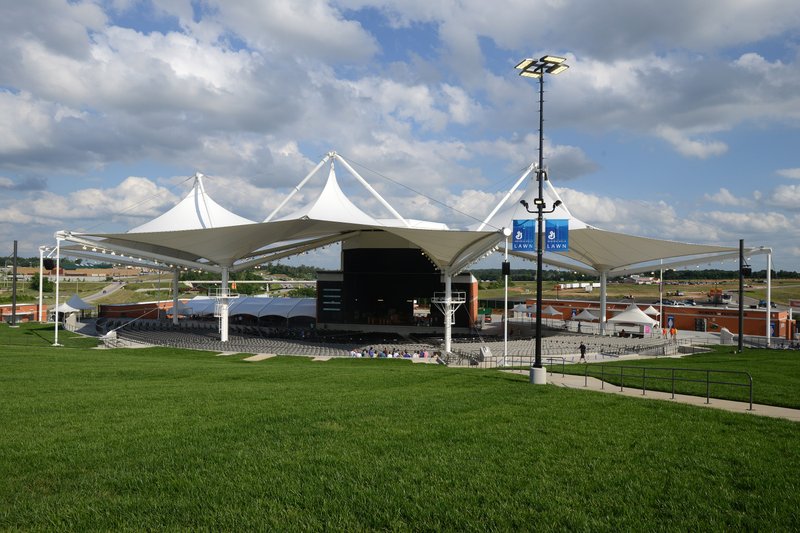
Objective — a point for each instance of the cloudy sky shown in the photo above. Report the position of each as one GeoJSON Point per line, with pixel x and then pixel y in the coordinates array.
{"type": "Point", "coordinates": [678, 121]}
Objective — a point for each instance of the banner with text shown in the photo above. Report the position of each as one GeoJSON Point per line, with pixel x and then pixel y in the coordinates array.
{"type": "Point", "coordinates": [524, 235]}
{"type": "Point", "coordinates": [556, 235]}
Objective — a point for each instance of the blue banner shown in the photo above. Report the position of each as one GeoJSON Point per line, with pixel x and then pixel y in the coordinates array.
{"type": "Point", "coordinates": [523, 237]}
{"type": "Point", "coordinates": [556, 235]}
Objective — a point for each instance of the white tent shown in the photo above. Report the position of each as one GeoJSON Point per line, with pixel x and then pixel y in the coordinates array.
{"type": "Point", "coordinates": [585, 315]}
{"type": "Point", "coordinates": [633, 316]}
{"type": "Point", "coordinates": [522, 308]}
{"type": "Point", "coordinates": [551, 311]}
{"type": "Point", "coordinates": [651, 311]}
{"type": "Point", "coordinates": [75, 303]}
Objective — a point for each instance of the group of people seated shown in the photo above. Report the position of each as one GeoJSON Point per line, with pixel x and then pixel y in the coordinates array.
{"type": "Point", "coordinates": [391, 353]}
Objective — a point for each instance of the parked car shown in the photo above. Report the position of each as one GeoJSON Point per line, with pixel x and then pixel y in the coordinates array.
{"type": "Point", "coordinates": [763, 303]}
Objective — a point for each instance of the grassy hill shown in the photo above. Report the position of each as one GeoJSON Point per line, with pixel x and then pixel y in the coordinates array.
{"type": "Point", "coordinates": [165, 439]}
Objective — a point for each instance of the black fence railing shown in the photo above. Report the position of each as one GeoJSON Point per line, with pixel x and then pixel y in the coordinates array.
{"type": "Point", "coordinates": [671, 375]}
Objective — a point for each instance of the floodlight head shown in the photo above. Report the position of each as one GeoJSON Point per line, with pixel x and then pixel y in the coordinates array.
{"type": "Point", "coordinates": [557, 203]}
{"type": "Point", "coordinates": [530, 74]}
{"type": "Point", "coordinates": [538, 201]}
{"type": "Point", "coordinates": [553, 59]}
{"type": "Point", "coordinates": [557, 69]}
{"type": "Point", "coordinates": [525, 63]}
{"type": "Point", "coordinates": [524, 203]}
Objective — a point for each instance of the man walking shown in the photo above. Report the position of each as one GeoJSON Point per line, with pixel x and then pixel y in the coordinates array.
{"type": "Point", "coordinates": [582, 348]}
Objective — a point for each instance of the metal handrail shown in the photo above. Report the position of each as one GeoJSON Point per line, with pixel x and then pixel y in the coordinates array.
{"type": "Point", "coordinates": [551, 358]}
{"type": "Point", "coordinates": [672, 378]}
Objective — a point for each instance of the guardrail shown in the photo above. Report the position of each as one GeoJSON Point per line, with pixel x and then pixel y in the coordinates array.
{"type": "Point", "coordinates": [642, 373]}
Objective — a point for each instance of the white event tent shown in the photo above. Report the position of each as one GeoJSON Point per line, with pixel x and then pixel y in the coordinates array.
{"type": "Point", "coordinates": [634, 315]}
{"type": "Point", "coordinates": [75, 303]}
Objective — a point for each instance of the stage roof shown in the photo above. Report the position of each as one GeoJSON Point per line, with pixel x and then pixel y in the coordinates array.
{"type": "Point", "coordinates": [199, 233]}
{"type": "Point", "coordinates": [593, 250]}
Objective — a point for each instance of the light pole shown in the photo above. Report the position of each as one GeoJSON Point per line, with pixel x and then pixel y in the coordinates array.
{"type": "Point", "coordinates": [540, 212]}
{"type": "Point", "coordinates": [537, 68]}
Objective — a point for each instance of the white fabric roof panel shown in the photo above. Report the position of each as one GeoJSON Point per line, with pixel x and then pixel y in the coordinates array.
{"type": "Point", "coordinates": [197, 210]}
{"type": "Point", "coordinates": [332, 205]}
{"type": "Point", "coordinates": [598, 249]}
{"type": "Point", "coordinates": [224, 246]}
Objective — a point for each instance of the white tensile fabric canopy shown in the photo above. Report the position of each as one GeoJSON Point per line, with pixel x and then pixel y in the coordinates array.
{"type": "Point", "coordinates": [591, 249]}
{"type": "Point", "coordinates": [199, 233]}
{"type": "Point", "coordinates": [551, 311]}
{"type": "Point", "coordinates": [651, 311]}
{"type": "Point", "coordinates": [197, 210]}
{"type": "Point", "coordinates": [332, 205]}
{"type": "Point", "coordinates": [215, 238]}
{"type": "Point", "coordinates": [213, 248]}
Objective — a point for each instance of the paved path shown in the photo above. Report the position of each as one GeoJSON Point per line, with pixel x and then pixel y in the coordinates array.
{"type": "Point", "coordinates": [108, 289]}
{"type": "Point", "coordinates": [594, 384]}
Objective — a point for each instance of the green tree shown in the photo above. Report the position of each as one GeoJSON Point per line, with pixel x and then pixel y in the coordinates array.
{"type": "Point", "coordinates": [302, 292]}
{"type": "Point", "coordinates": [47, 285]}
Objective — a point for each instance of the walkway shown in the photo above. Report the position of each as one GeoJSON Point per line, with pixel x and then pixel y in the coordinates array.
{"type": "Point", "coordinates": [594, 384]}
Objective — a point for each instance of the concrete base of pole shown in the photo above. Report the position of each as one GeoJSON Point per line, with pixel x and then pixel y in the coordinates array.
{"type": "Point", "coordinates": [538, 376]}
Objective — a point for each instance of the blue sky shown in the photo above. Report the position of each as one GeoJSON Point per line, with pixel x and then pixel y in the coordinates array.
{"type": "Point", "coordinates": [678, 122]}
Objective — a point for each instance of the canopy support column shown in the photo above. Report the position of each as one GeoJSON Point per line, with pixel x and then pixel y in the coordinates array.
{"type": "Point", "coordinates": [447, 303]}
{"type": "Point", "coordinates": [603, 296]}
{"type": "Point", "coordinates": [769, 299]}
{"type": "Point", "coordinates": [223, 307]}
{"type": "Point", "coordinates": [506, 268]}
{"type": "Point", "coordinates": [41, 279]}
{"type": "Point", "coordinates": [175, 276]}
{"type": "Point", "coordinates": [448, 311]}
{"type": "Point", "coordinates": [661, 296]}
{"type": "Point", "coordinates": [58, 286]}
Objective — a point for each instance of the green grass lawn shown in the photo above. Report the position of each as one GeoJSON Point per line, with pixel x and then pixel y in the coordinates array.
{"type": "Point", "coordinates": [164, 439]}
{"type": "Point", "coordinates": [775, 373]}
